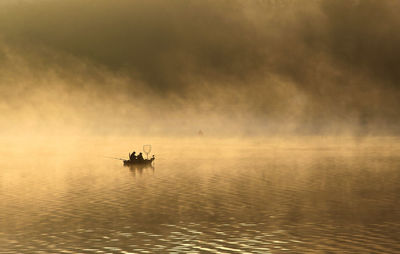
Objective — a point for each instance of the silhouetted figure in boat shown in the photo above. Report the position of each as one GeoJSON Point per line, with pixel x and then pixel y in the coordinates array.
{"type": "Point", "coordinates": [132, 156]}
{"type": "Point", "coordinates": [140, 157]}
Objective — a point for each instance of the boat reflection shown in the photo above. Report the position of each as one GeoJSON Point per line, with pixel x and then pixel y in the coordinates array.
{"type": "Point", "coordinates": [140, 168]}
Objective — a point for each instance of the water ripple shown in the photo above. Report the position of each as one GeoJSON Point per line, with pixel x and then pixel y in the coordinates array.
{"type": "Point", "coordinates": [296, 201]}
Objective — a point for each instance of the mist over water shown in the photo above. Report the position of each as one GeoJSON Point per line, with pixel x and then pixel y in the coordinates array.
{"type": "Point", "coordinates": [172, 68]}
{"type": "Point", "coordinates": [202, 195]}
{"type": "Point", "coordinates": [274, 124]}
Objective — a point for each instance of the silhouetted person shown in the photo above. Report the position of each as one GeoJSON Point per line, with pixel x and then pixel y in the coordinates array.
{"type": "Point", "coordinates": [132, 157]}
{"type": "Point", "coordinates": [140, 157]}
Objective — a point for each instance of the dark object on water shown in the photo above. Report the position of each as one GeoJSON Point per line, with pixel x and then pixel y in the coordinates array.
{"type": "Point", "coordinates": [138, 162]}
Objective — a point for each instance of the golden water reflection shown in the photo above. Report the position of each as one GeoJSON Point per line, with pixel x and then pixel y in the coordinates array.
{"type": "Point", "coordinates": [229, 196]}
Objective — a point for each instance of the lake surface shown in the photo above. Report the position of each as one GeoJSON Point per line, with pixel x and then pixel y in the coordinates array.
{"type": "Point", "coordinates": [294, 195]}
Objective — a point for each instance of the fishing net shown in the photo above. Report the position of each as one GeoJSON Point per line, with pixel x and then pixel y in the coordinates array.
{"type": "Point", "coordinates": [147, 150]}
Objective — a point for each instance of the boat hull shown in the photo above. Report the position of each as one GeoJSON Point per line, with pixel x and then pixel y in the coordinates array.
{"type": "Point", "coordinates": [138, 162]}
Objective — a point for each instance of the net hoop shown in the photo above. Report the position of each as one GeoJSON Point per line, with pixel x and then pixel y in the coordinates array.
{"type": "Point", "coordinates": [147, 150]}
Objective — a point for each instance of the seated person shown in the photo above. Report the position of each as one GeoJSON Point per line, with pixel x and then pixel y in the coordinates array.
{"type": "Point", "coordinates": [132, 156]}
{"type": "Point", "coordinates": [140, 157]}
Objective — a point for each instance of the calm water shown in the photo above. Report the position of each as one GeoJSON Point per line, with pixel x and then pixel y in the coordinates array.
{"type": "Point", "coordinates": [217, 196]}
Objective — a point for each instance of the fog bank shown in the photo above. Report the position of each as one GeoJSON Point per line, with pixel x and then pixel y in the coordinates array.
{"type": "Point", "coordinates": [175, 67]}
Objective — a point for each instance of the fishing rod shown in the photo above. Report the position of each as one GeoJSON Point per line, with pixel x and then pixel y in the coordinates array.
{"type": "Point", "coordinates": [113, 158]}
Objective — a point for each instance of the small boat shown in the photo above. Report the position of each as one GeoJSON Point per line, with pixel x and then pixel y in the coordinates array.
{"type": "Point", "coordinates": [138, 162]}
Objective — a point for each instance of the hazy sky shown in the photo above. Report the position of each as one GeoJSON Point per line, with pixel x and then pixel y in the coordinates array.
{"type": "Point", "coordinates": [174, 67]}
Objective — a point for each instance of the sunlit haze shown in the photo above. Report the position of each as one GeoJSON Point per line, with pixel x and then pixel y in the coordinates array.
{"type": "Point", "coordinates": [231, 68]}
{"type": "Point", "coordinates": [199, 126]}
